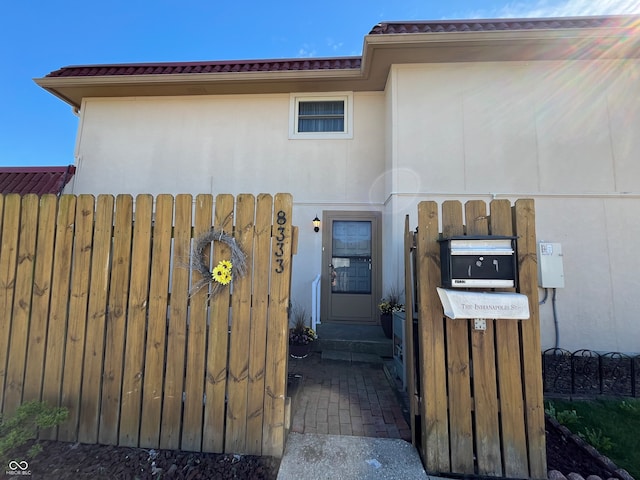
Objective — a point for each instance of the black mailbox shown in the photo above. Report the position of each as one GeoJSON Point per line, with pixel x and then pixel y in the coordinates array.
{"type": "Point", "coordinates": [478, 262]}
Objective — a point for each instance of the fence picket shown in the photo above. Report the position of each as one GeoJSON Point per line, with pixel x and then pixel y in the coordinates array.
{"type": "Point", "coordinates": [177, 332]}
{"type": "Point", "coordinates": [236, 422]}
{"type": "Point", "coordinates": [116, 319]}
{"type": "Point", "coordinates": [485, 391]}
{"type": "Point", "coordinates": [92, 375]}
{"type": "Point", "coordinates": [217, 349]}
{"type": "Point", "coordinates": [40, 299]}
{"type": "Point", "coordinates": [192, 431]}
{"type": "Point", "coordinates": [258, 331]}
{"type": "Point", "coordinates": [60, 284]}
{"type": "Point", "coordinates": [77, 322]}
{"type": "Point", "coordinates": [277, 328]}
{"type": "Point", "coordinates": [156, 324]}
{"type": "Point", "coordinates": [458, 365]}
{"type": "Point", "coordinates": [8, 260]}
{"type": "Point", "coordinates": [508, 369]}
{"type": "Point", "coordinates": [132, 380]}
{"type": "Point", "coordinates": [435, 433]}
{"type": "Point", "coordinates": [22, 303]}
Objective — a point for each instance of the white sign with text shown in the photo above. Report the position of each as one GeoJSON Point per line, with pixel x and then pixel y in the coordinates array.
{"type": "Point", "coordinates": [488, 305]}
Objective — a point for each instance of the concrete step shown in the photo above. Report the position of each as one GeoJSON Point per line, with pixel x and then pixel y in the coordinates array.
{"type": "Point", "coordinates": [350, 357]}
{"type": "Point", "coordinates": [381, 348]}
{"type": "Point", "coordinates": [365, 339]}
{"type": "Point", "coordinates": [316, 456]}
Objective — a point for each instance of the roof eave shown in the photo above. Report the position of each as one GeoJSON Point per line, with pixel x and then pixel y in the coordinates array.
{"type": "Point", "coordinates": [73, 89]}
{"type": "Point", "coordinates": [379, 53]}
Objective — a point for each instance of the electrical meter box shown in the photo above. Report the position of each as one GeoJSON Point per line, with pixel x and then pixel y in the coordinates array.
{"type": "Point", "coordinates": [550, 268]}
{"type": "Point", "coordinates": [478, 262]}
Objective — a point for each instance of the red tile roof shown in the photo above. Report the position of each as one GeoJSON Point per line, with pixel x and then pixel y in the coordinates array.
{"type": "Point", "coordinates": [348, 63]}
{"type": "Point", "coordinates": [173, 68]}
{"type": "Point", "coordinates": [446, 26]}
{"type": "Point", "coordinates": [38, 180]}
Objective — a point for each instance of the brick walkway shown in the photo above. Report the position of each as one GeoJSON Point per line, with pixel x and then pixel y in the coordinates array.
{"type": "Point", "coordinates": [342, 398]}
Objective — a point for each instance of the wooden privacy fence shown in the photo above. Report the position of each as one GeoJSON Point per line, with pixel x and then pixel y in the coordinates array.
{"type": "Point", "coordinates": [96, 316]}
{"type": "Point", "coordinates": [476, 396]}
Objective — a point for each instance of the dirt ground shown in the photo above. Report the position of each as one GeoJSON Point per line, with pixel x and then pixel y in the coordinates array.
{"type": "Point", "coordinates": [61, 461]}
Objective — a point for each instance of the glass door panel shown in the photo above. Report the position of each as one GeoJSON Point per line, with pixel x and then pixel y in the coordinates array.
{"type": "Point", "coordinates": [351, 257]}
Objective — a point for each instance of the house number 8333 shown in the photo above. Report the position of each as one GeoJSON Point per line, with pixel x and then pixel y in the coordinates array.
{"type": "Point", "coordinates": [281, 220]}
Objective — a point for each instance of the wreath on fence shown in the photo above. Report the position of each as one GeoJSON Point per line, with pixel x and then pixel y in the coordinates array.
{"type": "Point", "coordinates": [224, 271]}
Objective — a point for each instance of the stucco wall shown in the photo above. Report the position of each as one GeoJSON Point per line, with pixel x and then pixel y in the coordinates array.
{"type": "Point", "coordinates": [563, 133]}
{"type": "Point", "coordinates": [233, 144]}
{"type": "Point", "coordinates": [226, 143]}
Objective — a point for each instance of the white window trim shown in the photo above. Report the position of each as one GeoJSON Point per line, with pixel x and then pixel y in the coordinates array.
{"type": "Point", "coordinates": [296, 98]}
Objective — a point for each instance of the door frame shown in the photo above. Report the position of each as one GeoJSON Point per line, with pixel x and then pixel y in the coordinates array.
{"type": "Point", "coordinates": [328, 216]}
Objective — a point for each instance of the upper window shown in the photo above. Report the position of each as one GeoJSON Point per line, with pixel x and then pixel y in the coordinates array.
{"type": "Point", "coordinates": [321, 116]}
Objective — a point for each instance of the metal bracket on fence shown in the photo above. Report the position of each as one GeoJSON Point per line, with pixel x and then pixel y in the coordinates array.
{"type": "Point", "coordinates": [479, 324]}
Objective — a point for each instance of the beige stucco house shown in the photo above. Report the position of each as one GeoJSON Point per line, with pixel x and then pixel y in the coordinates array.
{"type": "Point", "coordinates": [547, 109]}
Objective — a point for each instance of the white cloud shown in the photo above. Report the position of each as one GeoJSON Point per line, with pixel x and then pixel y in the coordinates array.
{"type": "Point", "coordinates": [306, 51]}
{"type": "Point", "coordinates": [309, 50]}
{"type": "Point", "coordinates": [333, 45]}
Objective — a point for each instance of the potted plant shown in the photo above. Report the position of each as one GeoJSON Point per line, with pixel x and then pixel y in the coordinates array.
{"type": "Point", "coordinates": [388, 305]}
{"type": "Point", "coordinates": [301, 336]}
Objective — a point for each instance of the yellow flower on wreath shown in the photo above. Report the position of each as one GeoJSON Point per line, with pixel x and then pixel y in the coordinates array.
{"type": "Point", "coordinates": [222, 272]}
{"type": "Point", "coordinates": [225, 279]}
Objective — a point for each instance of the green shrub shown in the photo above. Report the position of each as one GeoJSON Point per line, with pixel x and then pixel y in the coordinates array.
{"type": "Point", "coordinates": [564, 417]}
{"type": "Point", "coordinates": [23, 425]}
{"type": "Point", "coordinates": [629, 407]}
{"type": "Point", "coordinates": [597, 439]}
{"type": "Point", "coordinates": [603, 419]}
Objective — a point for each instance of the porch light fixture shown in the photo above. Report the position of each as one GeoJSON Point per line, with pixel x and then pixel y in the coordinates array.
{"type": "Point", "coordinates": [316, 224]}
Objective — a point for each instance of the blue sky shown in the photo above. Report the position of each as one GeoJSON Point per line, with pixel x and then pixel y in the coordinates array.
{"type": "Point", "coordinates": [39, 36]}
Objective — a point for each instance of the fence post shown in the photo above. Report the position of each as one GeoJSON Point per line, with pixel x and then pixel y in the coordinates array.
{"type": "Point", "coordinates": [525, 229]}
